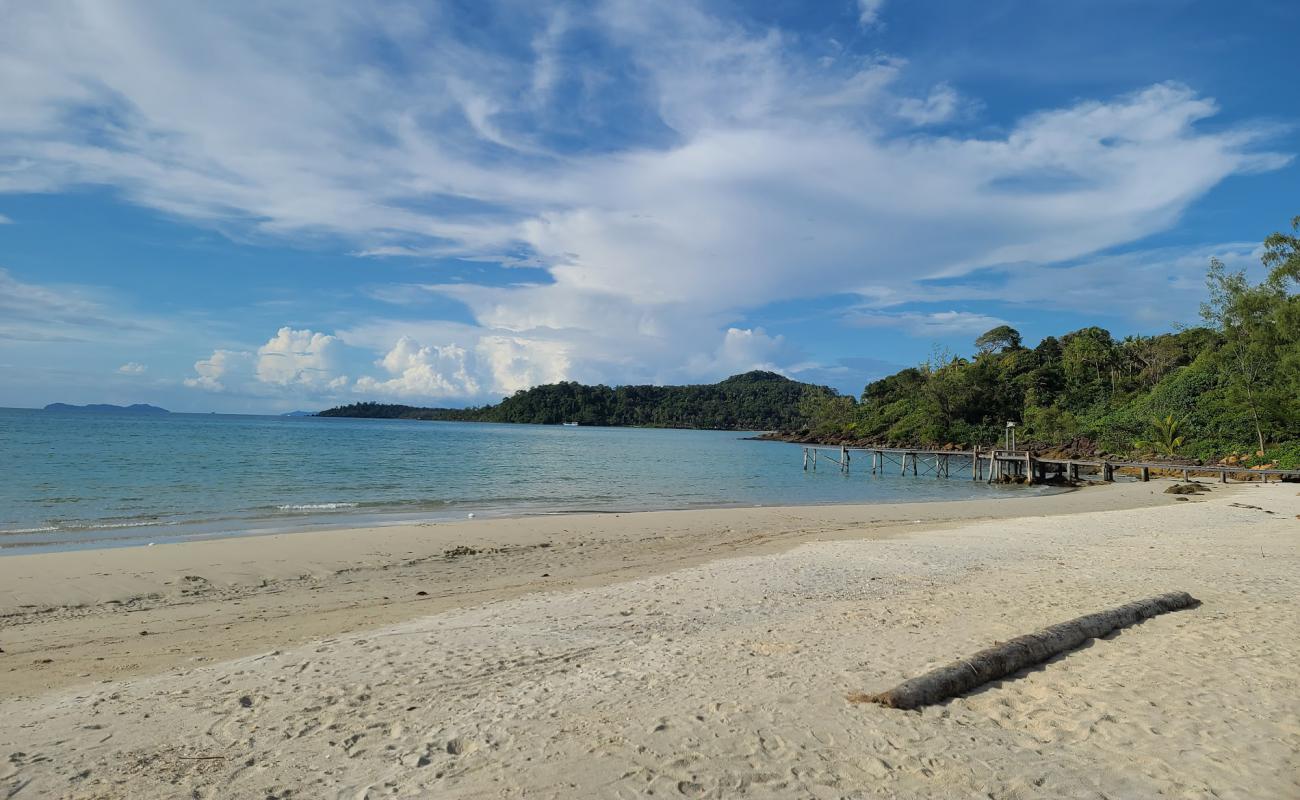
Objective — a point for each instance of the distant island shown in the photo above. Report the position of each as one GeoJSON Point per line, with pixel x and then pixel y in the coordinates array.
{"type": "Point", "coordinates": [755, 400]}
{"type": "Point", "coordinates": [298, 414]}
{"type": "Point", "coordinates": [105, 408]}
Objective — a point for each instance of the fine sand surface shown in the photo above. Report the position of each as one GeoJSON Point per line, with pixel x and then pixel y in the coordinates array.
{"type": "Point", "coordinates": [683, 654]}
{"type": "Point", "coordinates": [73, 618]}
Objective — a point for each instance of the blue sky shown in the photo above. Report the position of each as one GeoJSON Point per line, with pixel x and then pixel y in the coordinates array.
{"type": "Point", "coordinates": [258, 207]}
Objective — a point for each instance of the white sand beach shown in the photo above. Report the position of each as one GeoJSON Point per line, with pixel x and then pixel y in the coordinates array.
{"type": "Point", "coordinates": [667, 654]}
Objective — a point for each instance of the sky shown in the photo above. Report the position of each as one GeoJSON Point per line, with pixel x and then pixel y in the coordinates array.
{"type": "Point", "coordinates": [255, 207]}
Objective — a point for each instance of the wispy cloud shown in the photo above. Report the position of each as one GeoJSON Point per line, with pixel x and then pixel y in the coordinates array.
{"type": "Point", "coordinates": [941, 105]}
{"type": "Point", "coordinates": [926, 325]}
{"type": "Point", "coordinates": [33, 312]}
{"type": "Point", "coordinates": [1156, 287]}
{"type": "Point", "coordinates": [869, 12]}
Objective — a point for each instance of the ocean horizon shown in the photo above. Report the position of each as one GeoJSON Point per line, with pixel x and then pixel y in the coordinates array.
{"type": "Point", "coordinates": [84, 479]}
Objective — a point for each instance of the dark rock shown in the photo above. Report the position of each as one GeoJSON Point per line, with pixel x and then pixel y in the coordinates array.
{"type": "Point", "coordinates": [1182, 488]}
{"type": "Point", "coordinates": [458, 746]}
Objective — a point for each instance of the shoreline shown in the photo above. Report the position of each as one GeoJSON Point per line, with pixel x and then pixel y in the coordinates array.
{"type": "Point", "coordinates": [85, 610]}
{"type": "Point", "coordinates": [700, 654]}
{"type": "Point", "coordinates": [351, 516]}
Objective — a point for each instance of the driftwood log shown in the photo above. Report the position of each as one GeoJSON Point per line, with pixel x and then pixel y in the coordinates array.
{"type": "Point", "coordinates": [1024, 651]}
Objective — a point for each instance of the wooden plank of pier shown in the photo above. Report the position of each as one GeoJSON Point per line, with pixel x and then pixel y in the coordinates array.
{"type": "Point", "coordinates": [1006, 462]}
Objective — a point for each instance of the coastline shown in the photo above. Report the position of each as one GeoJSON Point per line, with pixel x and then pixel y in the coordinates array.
{"type": "Point", "coordinates": [208, 600]}
{"type": "Point", "coordinates": [357, 516]}
{"type": "Point", "coordinates": [690, 654]}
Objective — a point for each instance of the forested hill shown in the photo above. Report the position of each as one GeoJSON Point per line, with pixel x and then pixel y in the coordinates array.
{"type": "Point", "coordinates": [1227, 390]}
{"type": "Point", "coordinates": [753, 401]}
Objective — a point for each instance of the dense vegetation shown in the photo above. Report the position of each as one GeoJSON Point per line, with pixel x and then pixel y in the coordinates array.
{"type": "Point", "coordinates": [752, 401]}
{"type": "Point", "coordinates": [1229, 387]}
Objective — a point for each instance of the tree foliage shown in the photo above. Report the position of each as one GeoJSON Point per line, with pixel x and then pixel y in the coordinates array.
{"type": "Point", "coordinates": [756, 400]}
{"type": "Point", "coordinates": [1230, 386]}
{"type": "Point", "coordinates": [1003, 337]}
{"type": "Point", "coordinates": [1165, 439]}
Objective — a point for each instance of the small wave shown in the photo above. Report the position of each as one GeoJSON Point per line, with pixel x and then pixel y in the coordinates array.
{"type": "Point", "coordinates": [315, 506]}
{"type": "Point", "coordinates": [17, 531]}
{"type": "Point", "coordinates": [105, 525]}
{"type": "Point", "coordinates": [83, 526]}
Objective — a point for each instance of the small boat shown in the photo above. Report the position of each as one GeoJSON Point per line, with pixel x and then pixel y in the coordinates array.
{"type": "Point", "coordinates": [569, 424]}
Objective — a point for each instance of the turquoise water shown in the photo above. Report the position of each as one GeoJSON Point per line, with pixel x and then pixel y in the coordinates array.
{"type": "Point", "coordinates": [78, 479]}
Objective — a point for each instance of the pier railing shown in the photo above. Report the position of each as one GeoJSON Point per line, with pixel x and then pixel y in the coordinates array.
{"type": "Point", "coordinates": [998, 464]}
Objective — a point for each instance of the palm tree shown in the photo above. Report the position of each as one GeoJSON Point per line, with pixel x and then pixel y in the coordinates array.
{"type": "Point", "coordinates": [1165, 439]}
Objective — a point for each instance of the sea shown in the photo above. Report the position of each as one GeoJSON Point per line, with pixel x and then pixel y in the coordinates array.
{"type": "Point", "coordinates": [71, 480]}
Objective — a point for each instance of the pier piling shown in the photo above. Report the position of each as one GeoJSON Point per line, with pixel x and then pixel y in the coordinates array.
{"type": "Point", "coordinates": [994, 465]}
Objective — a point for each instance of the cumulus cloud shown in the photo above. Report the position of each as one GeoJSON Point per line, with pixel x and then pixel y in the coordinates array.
{"type": "Point", "coordinates": [753, 173]}
{"type": "Point", "coordinates": [298, 362]}
{"type": "Point", "coordinates": [132, 368]}
{"type": "Point", "coordinates": [742, 350]}
{"type": "Point", "coordinates": [213, 370]}
{"type": "Point", "coordinates": [300, 358]}
{"type": "Point", "coordinates": [417, 371]}
{"type": "Point", "coordinates": [515, 362]}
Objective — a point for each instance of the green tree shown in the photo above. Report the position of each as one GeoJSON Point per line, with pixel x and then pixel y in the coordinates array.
{"type": "Point", "coordinates": [829, 414]}
{"type": "Point", "coordinates": [1165, 438]}
{"type": "Point", "coordinates": [1245, 315]}
{"type": "Point", "coordinates": [1088, 360]}
{"type": "Point", "coordinates": [1282, 258]}
{"type": "Point", "coordinates": [1003, 337]}
{"type": "Point", "coordinates": [1050, 424]}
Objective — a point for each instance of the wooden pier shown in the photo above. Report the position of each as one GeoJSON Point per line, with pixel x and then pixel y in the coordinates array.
{"type": "Point", "coordinates": [1015, 465]}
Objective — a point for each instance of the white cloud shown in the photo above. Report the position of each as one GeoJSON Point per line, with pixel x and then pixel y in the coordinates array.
{"type": "Point", "coordinates": [301, 358]}
{"type": "Point", "coordinates": [292, 362]}
{"type": "Point", "coordinates": [5, 220]}
{"type": "Point", "coordinates": [31, 312]}
{"type": "Point", "coordinates": [869, 12]}
{"type": "Point", "coordinates": [430, 372]}
{"type": "Point", "coordinates": [742, 350]}
{"type": "Point", "coordinates": [1153, 288]}
{"type": "Point", "coordinates": [515, 362]}
{"type": "Point", "coordinates": [212, 371]}
{"type": "Point", "coordinates": [132, 368]}
{"type": "Point", "coordinates": [927, 325]}
{"type": "Point", "coordinates": [939, 106]}
{"type": "Point", "coordinates": [741, 217]}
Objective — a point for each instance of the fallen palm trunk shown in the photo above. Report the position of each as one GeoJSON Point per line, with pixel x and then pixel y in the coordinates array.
{"type": "Point", "coordinates": [1024, 651]}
